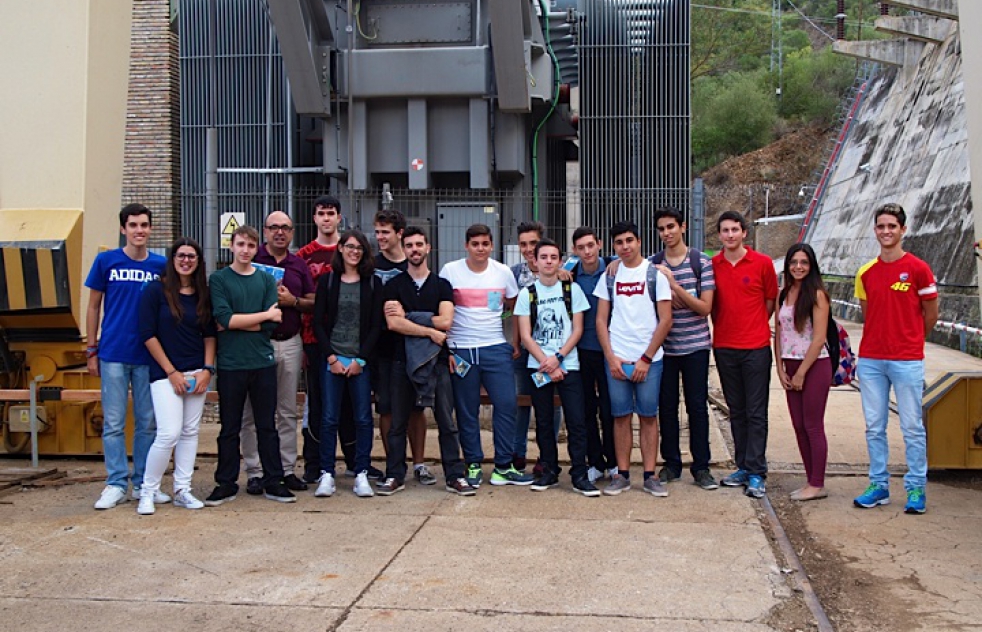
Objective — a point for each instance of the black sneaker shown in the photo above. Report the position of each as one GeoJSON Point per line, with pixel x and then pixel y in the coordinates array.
{"type": "Point", "coordinates": [389, 486]}
{"type": "Point", "coordinates": [461, 487]}
{"type": "Point", "coordinates": [311, 477]}
{"type": "Point", "coordinates": [544, 482]}
{"type": "Point", "coordinates": [375, 474]}
{"type": "Point", "coordinates": [705, 480]}
{"type": "Point", "coordinates": [223, 493]}
{"type": "Point", "coordinates": [279, 493]}
{"type": "Point", "coordinates": [254, 486]}
{"type": "Point", "coordinates": [294, 484]}
{"type": "Point", "coordinates": [667, 475]}
{"type": "Point", "coordinates": [585, 487]}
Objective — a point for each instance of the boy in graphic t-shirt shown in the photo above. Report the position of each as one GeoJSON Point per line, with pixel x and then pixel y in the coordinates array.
{"type": "Point", "coordinates": [640, 318]}
{"type": "Point", "coordinates": [899, 289]}
{"type": "Point", "coordinates": [553, 360]}
{"type": "Point", "coordinates": [117, 279]}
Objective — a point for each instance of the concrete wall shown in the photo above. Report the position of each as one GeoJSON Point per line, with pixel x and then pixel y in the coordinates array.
{"type": "Point", "coordinates": [909, 145]}
{"type": "Point", "coordinates": [970, 16]}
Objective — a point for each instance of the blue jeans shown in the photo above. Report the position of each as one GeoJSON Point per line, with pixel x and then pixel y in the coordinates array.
{"type": "Point", "coordinates": [907, 378]}
{"type": "Point", "coordinates": [492, 368]}
{"type": "Point", "coordinates": [627, 397]}
{"type": "Point", "coordinates": [524, 386]}
{"type": "Point", "coordinates": [359, 389]}
{"type": "Point", "coordinates": [117, 378]}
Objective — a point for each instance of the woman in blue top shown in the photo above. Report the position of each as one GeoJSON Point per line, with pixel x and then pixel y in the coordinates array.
{"type": "Point", "coordinates": [177, 328]}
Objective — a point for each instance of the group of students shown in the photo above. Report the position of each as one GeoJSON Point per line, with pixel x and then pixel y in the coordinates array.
{"type": "Point", "coordinates": [609, 337]}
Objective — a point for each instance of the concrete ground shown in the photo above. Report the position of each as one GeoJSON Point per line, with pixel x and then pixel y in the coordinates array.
{"type": "Point", "coordinates": [508, 558]}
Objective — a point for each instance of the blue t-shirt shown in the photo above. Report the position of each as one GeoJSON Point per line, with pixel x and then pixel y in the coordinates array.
{"type": "Point", "coordinates": [588, 282]}
{"type": "Point", "coordinates": [183, 341]}
{"type": "Point", "coordinates": [121, 281]}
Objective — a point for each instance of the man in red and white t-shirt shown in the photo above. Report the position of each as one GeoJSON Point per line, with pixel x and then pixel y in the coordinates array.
{"type": "Point", "coordinates": [897, 291]}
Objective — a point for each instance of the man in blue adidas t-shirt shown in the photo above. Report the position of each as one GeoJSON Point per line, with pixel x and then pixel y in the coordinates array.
{"type": "Point", "coordinates": [117, 278]}
{"type": "Point", "coordinates": [690, 275]}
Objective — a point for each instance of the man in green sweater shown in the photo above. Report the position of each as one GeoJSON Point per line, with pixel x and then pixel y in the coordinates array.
{"type": "Point", "coordinates": [244, 303]}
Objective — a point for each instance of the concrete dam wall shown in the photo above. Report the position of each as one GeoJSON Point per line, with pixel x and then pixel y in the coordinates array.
{"type": "Point", "coordinates": [908, 144]}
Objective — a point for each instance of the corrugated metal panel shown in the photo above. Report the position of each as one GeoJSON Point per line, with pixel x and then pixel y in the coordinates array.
{"type": "Point", "coordinates": [634, 110]}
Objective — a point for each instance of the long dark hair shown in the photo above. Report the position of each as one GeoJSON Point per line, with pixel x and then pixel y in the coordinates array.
{"type": "Point", "coordinates": [366, 267]}
{"type": "Point", "coordinates": [172, 282]}
{"type": "Point", "coordinates": [811, 285]}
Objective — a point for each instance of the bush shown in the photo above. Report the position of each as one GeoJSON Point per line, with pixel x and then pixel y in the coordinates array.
{"type": "Point", "coordinates": [732, 115]}
{"type": "Point", "coordinates": [813, 85]}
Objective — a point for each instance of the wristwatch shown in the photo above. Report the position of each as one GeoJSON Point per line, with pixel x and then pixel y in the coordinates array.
{"type": "Point", "coordinates": [560, 357]}
{"type": "Point", "coordinates": [210, 368]}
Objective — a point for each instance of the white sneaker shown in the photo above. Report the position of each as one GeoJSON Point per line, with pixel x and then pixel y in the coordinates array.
{"type": "Point", "coordinates": [184, 498]}
{"type": "Point", "coordinates": [325, 485]}
{"type": "Point", "coordinates": [159, 498]}
{"type": "Point", "coordinates": [594, 475]}
{"type": "Point", "coordinates": [362, 487]}
{"type": "Point", "coordinates": [111, 496]}
{"type": "Point", "coordinates": [145, 508]}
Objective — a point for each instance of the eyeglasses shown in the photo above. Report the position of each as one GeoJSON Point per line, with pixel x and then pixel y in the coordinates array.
{"type": "Point", "coordinates": [279, 227]}
{"type": "Point", "coordinates": [187, 256]}
{"type": "Point", "coordinates": [353, 248]}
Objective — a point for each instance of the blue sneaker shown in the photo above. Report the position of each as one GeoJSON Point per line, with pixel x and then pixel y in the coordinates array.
{"type": "Point", "coordinates": [755, 486]}
{"type": "Point", "coordinates": [474, 475]}
{"type": "Point", "coordinates": [736, 479]}
{"type": "Point", "coordinates": [873, 496]}
{"type": "Point", "coordinates": [916, 501]}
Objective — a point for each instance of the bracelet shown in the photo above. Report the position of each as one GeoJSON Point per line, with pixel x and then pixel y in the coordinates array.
{"type": "Point", "coordinates": [296, 301]}
{"type": "Point", "coordinates": [172, 373]}
{"type": "Point", "coordinates": [647, 358]}
{"type": "Point", "coordinates": [329, 363]}
{"type": "Point", "coordinates": [91, 352]}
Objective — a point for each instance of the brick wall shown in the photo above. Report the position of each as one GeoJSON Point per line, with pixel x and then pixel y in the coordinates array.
{"type": "Point", "coordinates": [151, 163]}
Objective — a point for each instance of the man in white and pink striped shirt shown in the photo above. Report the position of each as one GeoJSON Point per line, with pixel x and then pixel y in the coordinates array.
{"type": "Point", "coordinates": [483, 289]}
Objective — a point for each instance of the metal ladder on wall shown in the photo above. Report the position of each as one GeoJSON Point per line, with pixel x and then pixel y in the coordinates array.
{"type": "Point", "coordinates": [844, 117]}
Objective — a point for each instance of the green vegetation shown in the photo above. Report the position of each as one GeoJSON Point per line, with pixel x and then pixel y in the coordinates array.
{"type": "Point", "coordinates": [741, 94]}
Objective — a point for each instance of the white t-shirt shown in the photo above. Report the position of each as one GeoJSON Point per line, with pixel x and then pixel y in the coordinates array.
{"type": "Point", "coordinates": [479, 300]}
{"type": "Point", "coordinates": [633, 317]}
{"type": "Point", "coordinates": [554, 327]}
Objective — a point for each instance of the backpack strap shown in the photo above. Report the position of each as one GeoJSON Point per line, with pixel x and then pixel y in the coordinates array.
{"type": "Point", "coordinates": [695, 262]}
{"type": "Point", "coordinates": [609, 280]}
{"type": "Point", "coordinates": [533, 306]}
{"type": "Point", "coordinates": [651, 278]}
{"type": "Point", "coordinates": [568, 299]}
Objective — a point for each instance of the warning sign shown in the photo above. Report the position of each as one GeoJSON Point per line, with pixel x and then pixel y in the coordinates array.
{"type": "Point", "coordinates": [230, 222]}
{"type": "Point", "coordinates": [417, 164]}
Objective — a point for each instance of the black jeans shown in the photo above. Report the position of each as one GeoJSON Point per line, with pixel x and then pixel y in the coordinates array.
{"type": "Point", "coordinates": [403, 396]}
{"type": "Point", "coordinates": [259, 385]}
{"type": "Point", "coordinates": [745, 375]}
{"type": "Point", "coordinates": [596, 400]}
{"type": "Point", "coordinates": [315, 411]}
{"type": "Point", "coordinates": [571, 395]}
{"type": "Point", "coordinates": [694, 370]}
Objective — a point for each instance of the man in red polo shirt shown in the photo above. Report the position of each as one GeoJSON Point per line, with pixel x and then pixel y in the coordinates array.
{"type": "Point", "coordinates": [746, 291]}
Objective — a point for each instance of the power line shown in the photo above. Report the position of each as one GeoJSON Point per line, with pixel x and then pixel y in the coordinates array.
{"type": "Point", "coordinates": [767, 14]}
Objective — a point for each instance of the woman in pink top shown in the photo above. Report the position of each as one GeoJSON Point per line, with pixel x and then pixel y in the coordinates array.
{"type": "Point", "coordinates": [800, 324]}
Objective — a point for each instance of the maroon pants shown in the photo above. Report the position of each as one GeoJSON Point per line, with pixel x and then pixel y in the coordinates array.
{"type": "Point", "coordinates": [807, 408]}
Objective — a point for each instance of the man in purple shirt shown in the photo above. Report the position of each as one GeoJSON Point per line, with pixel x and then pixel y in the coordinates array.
{"type": "Point", "coordinates": [295, 294]}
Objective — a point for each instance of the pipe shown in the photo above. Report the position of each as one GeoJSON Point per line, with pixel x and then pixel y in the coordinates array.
{"type": "Point", "coordinates": [552, 108]}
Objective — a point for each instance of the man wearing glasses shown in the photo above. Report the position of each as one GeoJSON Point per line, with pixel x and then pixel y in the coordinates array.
{"type": "Point", "coordinates": [295, 294]}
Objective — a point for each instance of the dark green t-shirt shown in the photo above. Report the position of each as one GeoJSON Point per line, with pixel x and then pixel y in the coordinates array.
{"type": "Point", "coordinates": [234, 293]}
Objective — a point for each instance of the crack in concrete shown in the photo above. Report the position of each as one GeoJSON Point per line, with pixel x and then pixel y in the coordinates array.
{"type": "Point", "coordinates": [491, 612]}
{"type": "Point", "coordinates": [179, 602]}
{"type": "Point", "coordinates": [347, 611]}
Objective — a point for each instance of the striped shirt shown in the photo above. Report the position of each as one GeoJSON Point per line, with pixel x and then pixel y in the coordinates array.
{"type": "Point", "coordinates": [690, 331]}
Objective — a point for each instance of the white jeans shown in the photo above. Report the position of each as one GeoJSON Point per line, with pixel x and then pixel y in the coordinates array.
{"type": "Point", "coordinates": [289, 358]}
{"type": "Point", "coordinates": [178, 418]}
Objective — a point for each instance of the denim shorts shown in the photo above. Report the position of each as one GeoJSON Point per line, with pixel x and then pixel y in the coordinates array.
{"type": "Point", "coordinates": [628, 397]}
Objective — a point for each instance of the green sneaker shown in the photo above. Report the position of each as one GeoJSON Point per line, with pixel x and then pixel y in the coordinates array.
{"type": "Point", "coordinates": [510, 476]}
{"type": "Point", "coordinates": [474, 475]}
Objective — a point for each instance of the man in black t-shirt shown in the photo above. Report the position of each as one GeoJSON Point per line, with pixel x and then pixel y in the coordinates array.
{"type": "Point", "coordinates": [391, 262]}
{"type": "Point", "coordinates": [419, 312]}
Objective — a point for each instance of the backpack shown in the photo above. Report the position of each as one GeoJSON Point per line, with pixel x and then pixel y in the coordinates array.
{"type": "Point", "coordinates": [840, 354]}
{"type": "Point", "coordinates": [651, 280]}
{"type": "Point", "coordinates": [695, 262]}
{"type": "Point", "coordinates": [534, 302]}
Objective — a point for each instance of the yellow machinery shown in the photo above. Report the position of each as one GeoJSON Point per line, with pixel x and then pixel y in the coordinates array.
{"type": "Point", "coordinates": [63, 76]}
{"type": "Point", "coordinates": [953, 418]}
